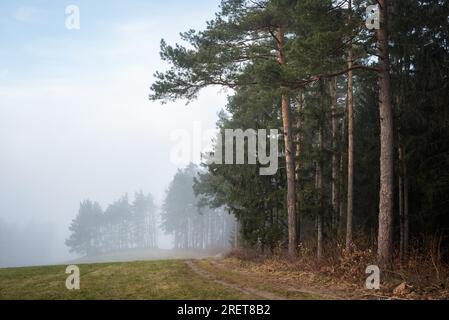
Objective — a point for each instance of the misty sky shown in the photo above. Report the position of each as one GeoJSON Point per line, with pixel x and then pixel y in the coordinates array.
{"type": "Point", "coordinates": [75, 119]}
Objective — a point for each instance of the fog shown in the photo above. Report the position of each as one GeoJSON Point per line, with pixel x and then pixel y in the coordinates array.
{"type": "Point", "coordinates": [75, 119]}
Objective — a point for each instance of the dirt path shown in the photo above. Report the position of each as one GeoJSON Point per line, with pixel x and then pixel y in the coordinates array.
{"type": "Point", "coordinates": [327, 295]}
{"type": "Point", "coordinates": [247, 290]}
{"type": "Point", "coordinates": [252, 283]}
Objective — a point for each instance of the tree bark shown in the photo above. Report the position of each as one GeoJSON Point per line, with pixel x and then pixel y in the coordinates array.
{"type": "Point", "coordinates": [300, 106]}
{"type": "Point", "coordinates": [403, 207]}
{"type": "Point", "coordinates": [406, 222]}
{"type": "Point", "coordinates": [386, 201]}
{"type": "Point", "coordinates": [350, 110]}
{"type": "Point", "coordinates": [319, 187]}
{"type": "Point", "coordinates": [334, 186]}
{"type": "Point", "coordinates": [341, 184]}
{"type": "Point", "coordinates": [289, 154]}
{"type": "Point", "coordinates": [236, 234]}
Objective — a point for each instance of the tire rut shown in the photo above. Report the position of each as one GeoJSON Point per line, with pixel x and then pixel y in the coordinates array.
{"type": "Point", "coordinates": [318, 293]}
{"type": "Point", "coordinates": [246, 290]}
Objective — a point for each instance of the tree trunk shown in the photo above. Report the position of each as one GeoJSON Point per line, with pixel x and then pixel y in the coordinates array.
{"type": "Point", "coordinates": [341, 184]}
{"type": "Point", "coordinates": [300, 106]}
{"type": "Point", "coordinates": [386, 201]}
{"type": "Point", "coordinates": [319, 187]}
{"type": "Point", "coordinates": [406, 223]}
{"type": "Point", "coordinates": [403, 207]}
{"type": "Point", "coordinates": [289, 155]}
{"type": "Point", "coordinates": [334, 187]}
{"type": "Point", "coordinates": [236, 234]}
{"type": "Point", "coordinates": [350, 108]}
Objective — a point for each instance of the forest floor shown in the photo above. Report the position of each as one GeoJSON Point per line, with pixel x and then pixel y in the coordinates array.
{"type": "Point", "coordinates": [210, 278]}
{"type": "Point", "coordinates": [346, 279]}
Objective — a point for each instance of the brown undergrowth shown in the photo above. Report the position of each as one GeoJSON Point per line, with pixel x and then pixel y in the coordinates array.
{"type": "Point", "coordinates": [424, 275]}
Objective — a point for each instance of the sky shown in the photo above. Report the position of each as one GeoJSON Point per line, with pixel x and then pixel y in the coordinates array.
{"type": "Point", "coordinates": [75, 119]}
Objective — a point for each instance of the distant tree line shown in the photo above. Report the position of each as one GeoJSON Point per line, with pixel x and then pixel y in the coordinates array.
{"type": "Point", "coordinates": [194, 225]}
{"type": "Point", "coordinates": [123, 225]}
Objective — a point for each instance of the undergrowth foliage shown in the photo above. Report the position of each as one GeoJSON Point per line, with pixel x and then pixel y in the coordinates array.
{"type": "Point", "coordinates": [424, 276]}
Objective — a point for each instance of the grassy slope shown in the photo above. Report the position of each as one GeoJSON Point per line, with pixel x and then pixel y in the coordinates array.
{"type": "Point", "coordinates": [144, 255]}
{"type": "Point", "coordinates": [131, 280]}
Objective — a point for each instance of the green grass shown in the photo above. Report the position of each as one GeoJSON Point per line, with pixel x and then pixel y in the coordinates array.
{"type": "Point", "coordinates": [132, 280]}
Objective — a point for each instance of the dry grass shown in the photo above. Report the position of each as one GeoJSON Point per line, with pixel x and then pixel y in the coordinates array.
{"type": "Point", "coordinates": [424, 276]}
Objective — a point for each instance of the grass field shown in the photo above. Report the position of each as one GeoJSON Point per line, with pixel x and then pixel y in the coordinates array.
{"type": "Point", "coordinates": [170, 279]}
{"type": "Point", "coordinates": [191, 279]}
